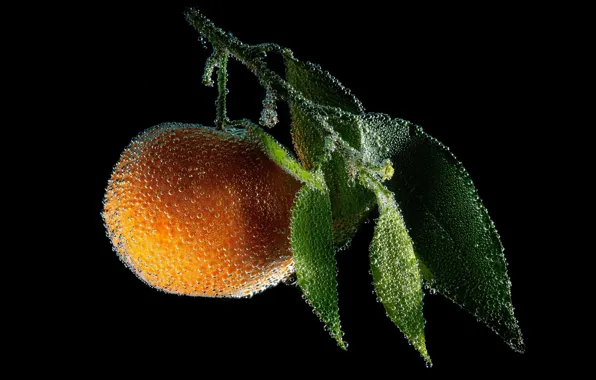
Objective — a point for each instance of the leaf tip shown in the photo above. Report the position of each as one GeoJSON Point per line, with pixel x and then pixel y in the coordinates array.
{"type": "Point", "coordinates": [342, 343]}
{"type": "Point", "coordinates": [420, 345]}
{"type": "Point", "coordinates": [516, 342]}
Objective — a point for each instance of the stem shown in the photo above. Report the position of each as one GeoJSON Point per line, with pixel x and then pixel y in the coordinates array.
{"type": "Point", "coordinates": [222, 80]}
{"type": "Point", "coordinates": [252, 57]}
{"type": "Point", "coordinates": [246, 54]}
{"type": "Point", "coordinates": [373, 183]}
{"type": "Point", "coordinates": [209, 66]}
{"type": "Point", "coordinates": [269, 47]}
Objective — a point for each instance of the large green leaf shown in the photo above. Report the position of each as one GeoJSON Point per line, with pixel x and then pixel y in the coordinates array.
{"type": "Point", "coordinates": [314, 256]}
{"type": "Point", "coordinates": [396, 276]}
{"type": "Point", "coordinates": [452, 232]}
{"type": "Point", "coordinates": [351, 202]}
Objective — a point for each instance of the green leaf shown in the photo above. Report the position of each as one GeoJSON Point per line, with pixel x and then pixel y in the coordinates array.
{"type": "Point", "coordinates": [319, 86]}
{"type": "Point", "coordinates": [454, 236]}
{"type": "Point", "coordinates": [283, 158]}
{"type": "Point", "coordinates": [396, 276]}
{"type": "Point", "coordinates": [314, 257]}
{"type": "Point", "coordinates": [351, 202]}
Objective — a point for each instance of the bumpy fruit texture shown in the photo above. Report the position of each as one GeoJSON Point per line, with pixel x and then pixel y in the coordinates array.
{"type": "Point", "coordinates": [196, 211]}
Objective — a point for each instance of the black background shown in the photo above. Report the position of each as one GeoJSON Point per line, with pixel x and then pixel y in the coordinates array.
{"type": "Point", "coordinates": [467, 76]}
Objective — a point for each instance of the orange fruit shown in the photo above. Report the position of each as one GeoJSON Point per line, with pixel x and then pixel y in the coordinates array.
{"type": "Point", "coordinates": [196, 211]}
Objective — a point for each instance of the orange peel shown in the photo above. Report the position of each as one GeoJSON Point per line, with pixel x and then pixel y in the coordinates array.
{"type": "Point", "coordinates": [196, 211]}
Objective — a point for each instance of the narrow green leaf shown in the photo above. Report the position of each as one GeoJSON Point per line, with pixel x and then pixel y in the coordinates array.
{"type": "Point", "coordinates": [454, 236]}
{"type": "Point", "coordinates": [282, 157]}
{"type": "Point", "coordinates": [314, 257]}
{"type": "Point", "coordinates": [395, 271]}
{"type": "Point", "coordinates": [351, 203]}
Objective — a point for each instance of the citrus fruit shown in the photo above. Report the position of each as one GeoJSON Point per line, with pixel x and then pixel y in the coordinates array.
{"type": "Point", "coordinates": [197, 211]}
